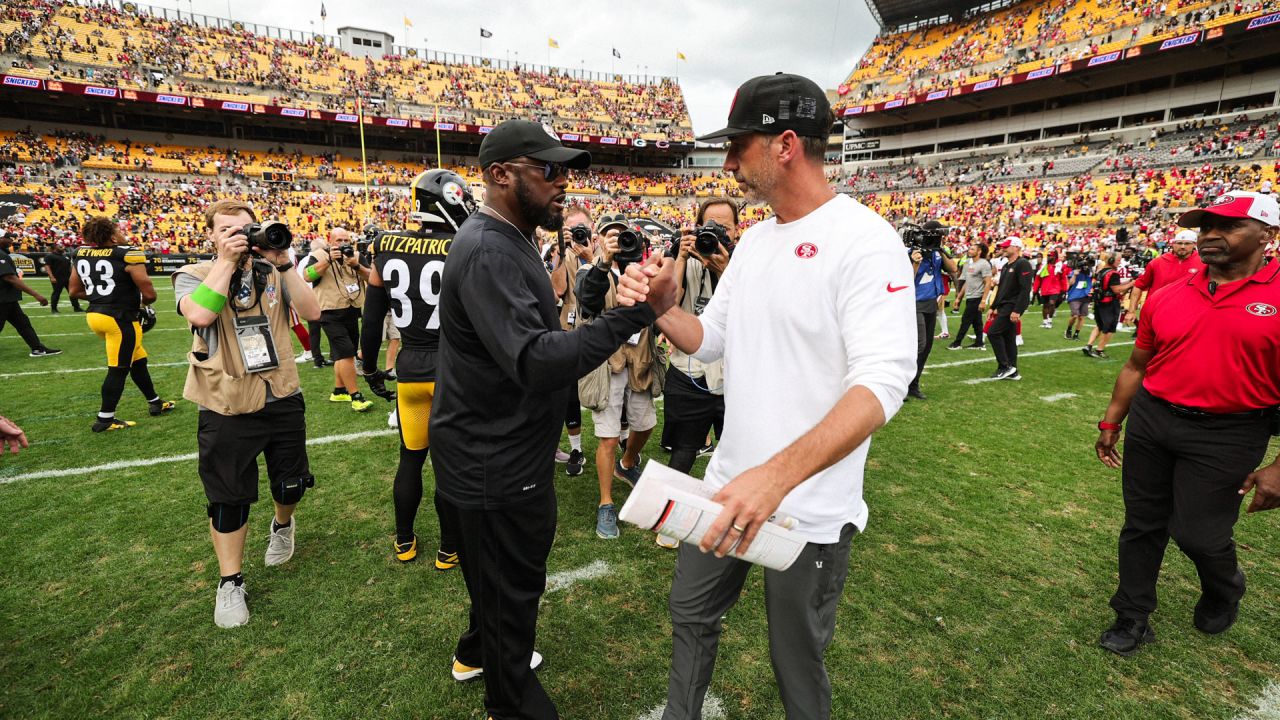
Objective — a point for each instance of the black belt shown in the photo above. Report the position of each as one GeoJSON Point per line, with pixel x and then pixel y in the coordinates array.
{"type": "Point", "coordinates": [1190, 412]}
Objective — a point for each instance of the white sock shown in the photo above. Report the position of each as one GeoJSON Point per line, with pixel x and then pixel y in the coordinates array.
{"type": "Point", "coordinates": [575, 442]}
{"type": "Point", "coordinates": [106, 416]}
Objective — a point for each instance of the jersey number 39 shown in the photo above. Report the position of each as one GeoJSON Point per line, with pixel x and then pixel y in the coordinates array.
{"type": "Point", "coordinates": [399, 281]}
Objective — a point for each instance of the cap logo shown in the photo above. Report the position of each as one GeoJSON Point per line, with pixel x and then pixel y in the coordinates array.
{"type": "Point", "coordinates": [551, 133]}
{"type": "Point", "coordinates": [807, 108]}
{"type": "Point", "coordinates": [767, 120]}
{"type": "Point", "coordinates": [1225, 198]}
{"type": "Point", "coordinates": [1260, 309]}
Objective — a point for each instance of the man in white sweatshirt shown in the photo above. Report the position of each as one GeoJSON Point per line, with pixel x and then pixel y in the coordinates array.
{"type": "Point", "coordinates": [815, 322]}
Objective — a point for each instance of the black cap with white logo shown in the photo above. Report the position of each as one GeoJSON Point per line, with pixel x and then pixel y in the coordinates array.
{"type": "Point", "coordinates": [522, 138]}
{"type": "Point", "coordinates": [775, 103]}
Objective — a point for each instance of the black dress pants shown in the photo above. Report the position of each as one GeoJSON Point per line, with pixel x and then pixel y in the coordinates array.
{"type": "Point", "coordinates": [1181, 479]}
{"type": "Point", "coordinates": [504, 563]}
{"type": "Point", "coordinates": [972, 318]}
{"type": "Point", "coordinates": [926, 323]}
{"type": "Point", "coordinates": [58, 287]}
{"type": "Point", "coordinates": [11, 312]}
{"type": "Point", "coordinates": [1003, 336]}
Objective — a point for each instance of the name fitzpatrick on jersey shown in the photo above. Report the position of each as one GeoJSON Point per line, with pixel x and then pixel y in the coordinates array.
{"type": "Point", "coordinates": [414, 245]}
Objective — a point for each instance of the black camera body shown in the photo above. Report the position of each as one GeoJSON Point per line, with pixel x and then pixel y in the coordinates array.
{"type": "Point", "coordinates": [918, 238]}
{"type": "Point", "coordinates": [347, 250]}
{"type": "Point", "coordinates": [271, 235]}
{"type": "Point", "coordinates": [581, 234]}
{"type": "Point", "coordinates": [631, 246]}
{"type": "Point", "coordinates": [1078, 260]}
{"type": "Point", "coordinates": [708, 239]}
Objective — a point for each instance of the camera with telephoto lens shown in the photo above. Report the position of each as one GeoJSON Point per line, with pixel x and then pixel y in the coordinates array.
{"type": "Point", "coordinates": [1079, 260]}
{"type": "Point", "coordinates": [630, 247]}
{"type": "Point", "coordinates": [581, 234]}
{"type": "Point", "coordinates": [346, 249]}
{"type": "Point", "coordinates": [922, 238]}
{"type": "Point", "coordinates": [270, 235]}
{"type": "Point", "coordinates": [708, 239]}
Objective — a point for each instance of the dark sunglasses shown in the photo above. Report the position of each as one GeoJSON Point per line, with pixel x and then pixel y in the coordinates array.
{"type": "Point", "coordinates": [550, 170]}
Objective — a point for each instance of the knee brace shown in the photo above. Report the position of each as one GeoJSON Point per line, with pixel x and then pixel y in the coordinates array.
{"type": "Point", "coordinates": [289, 492]}
{"type": "Point", "coordinates": [228, 518]}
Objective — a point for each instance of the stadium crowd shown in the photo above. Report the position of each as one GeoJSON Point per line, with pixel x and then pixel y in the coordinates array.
{"type": "Point", "coordinates": [111, 47]}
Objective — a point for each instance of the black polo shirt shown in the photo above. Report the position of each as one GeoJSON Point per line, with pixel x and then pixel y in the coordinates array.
{"type": "Point", "coordinates": [59, 265]}
{"type": "Point", "coordinates": [8, 293]}
{"type": "Point", "coordinates": [506, 367]}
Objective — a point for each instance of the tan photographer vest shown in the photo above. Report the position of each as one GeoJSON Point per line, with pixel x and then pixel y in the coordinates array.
{"type": "Point", "coordinates": [697, 286]}
{"type": "Point", "coordinates": [220, 382]}
{"type": "Point", "coordinates": [331, 289]}
{"type": "Point", "coordinates": [638, 358]}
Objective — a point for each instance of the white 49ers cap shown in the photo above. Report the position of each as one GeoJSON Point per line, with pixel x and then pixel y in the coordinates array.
{"type": "Point", "coordinates": [1237, 204]}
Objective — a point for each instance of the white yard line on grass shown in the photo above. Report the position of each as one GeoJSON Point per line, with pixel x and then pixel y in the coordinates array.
{"type": "Point", "coordinates": [1266, 706]}
{"type": "Point", "coordinates": [98, 368]}
{"type": "Point", "coordinates": [146, 462]}
{"type": "Point", "coordinates": [991, 358]}
{"type": "Point", "coordinates": [712, 709]}
{"type": "Point", "coordinates": [568, 578]}
{"type": "Point", "coordinates": [1059, 396]}
{"type": "Point", "coordinates": [88, 332]}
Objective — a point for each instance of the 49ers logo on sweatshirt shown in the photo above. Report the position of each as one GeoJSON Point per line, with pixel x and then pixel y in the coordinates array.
{"type": "Point", "coordinates": [806, 250]}
{"type": "Point", "coordinates": [1260, 309]}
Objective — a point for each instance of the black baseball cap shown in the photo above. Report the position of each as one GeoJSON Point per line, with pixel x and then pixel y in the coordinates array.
{"type": "Point", "coordinates": [774, 103]}
{"type": "Point", "coordinates": [523, 138]}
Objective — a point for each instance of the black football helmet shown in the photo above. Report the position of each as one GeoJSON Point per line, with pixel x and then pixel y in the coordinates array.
{"type": "Point", "coordinates": [147, 318]}
{"type": "Point", "coordinates": [441, 200]}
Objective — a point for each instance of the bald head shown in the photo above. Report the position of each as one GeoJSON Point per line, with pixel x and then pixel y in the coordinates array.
{"type": "Point", "coordinates": [338, 236]}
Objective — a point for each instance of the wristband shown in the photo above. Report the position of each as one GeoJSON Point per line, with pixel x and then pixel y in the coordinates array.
{"type": "Point", "coordinates": [208, 298]}
{"type": "Point", "coordinates": [1115, 427]}
{"type": "Point", "coordinates": [285, 267]}
{"type": "Point", "coordinates": [312, 274]}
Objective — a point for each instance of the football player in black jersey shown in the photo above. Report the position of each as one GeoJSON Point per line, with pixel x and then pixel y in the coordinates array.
{"type": "Point", "coordinates": [113, 277]}
{"type": "Point", "coordinates": [407, 269]}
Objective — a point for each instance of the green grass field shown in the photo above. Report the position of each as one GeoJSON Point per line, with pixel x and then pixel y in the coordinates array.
{"type": "Point", "coordinates": [978, 590]}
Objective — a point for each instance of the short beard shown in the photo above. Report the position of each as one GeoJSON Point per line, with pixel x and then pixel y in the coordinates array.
{"type": "Point", "coordinates": [544, 217]}
{"type": "Point", "coordinates": [761, 188]}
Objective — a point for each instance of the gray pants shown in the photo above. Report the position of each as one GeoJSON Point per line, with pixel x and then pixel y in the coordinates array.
{"type": "Point", "coordinates": [801, 606]}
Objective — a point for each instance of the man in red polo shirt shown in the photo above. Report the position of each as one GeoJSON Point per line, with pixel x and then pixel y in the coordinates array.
{"type": "Point", "coordinates": [1200, 389]}
{"type": "Point", "coordinates": [1169, 267]}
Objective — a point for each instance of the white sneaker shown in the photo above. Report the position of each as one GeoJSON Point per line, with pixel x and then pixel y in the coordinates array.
{"type": "Point", "coordinates": [561, 456]}
{"type": "Point", "coordinates": [280, 544]}
{"type": "Point", "coordinates": [304, 357]}
{"type": "Point", "coordinates": [1018, 341]}
{"type": "Point", "coordinates": [393, 419]}
{"type": "Point", "coordinates": [1047, 324]}
{"type": "Point", "coordinates": [463, 673]}
{"type": "Point", "coordinates": [230, 609]}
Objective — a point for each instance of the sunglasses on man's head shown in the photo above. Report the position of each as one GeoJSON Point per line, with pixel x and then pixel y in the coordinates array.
{"type": "Point", "coordinates": [550, 170]}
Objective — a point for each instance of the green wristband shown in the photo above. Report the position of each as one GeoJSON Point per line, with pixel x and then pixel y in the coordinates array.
{"type": "Point", "coordinates": [312, 274]}
{"type": "Point", "coordinates": [209, 299]}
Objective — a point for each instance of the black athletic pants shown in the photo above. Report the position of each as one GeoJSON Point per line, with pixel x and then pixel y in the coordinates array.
{"type": "Point", "coordinates": [1181, 479]}
{"type": "Point", "coordinates": [972, 318]}
{"type": "Point", "coordinates": [504, 563]}
{"type": "Point", "coordinates": [926, 323]}
{"type": "Point", "coordinates": [58, 287]}
{"type": "Point", "coordinates": [11, 312]}
{"type": "Point", "coordinates": [1003, 336]}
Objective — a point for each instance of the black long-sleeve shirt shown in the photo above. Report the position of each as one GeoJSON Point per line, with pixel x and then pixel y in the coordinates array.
{"type": "Point", "coordinates": [591, 286]}
{"type": "Point", "coordinates": [506, 367]}
{"type": "Point", "coordinates": [1014, 292]}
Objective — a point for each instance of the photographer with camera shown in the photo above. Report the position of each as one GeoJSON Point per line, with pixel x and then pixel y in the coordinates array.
{"type": "Point", "coordinates": [975, 282]}
{"type": "Point", "coordinates": [112, 276]}
{"type": "Point", "coordinates": [1079, 290]}
{"type": "Point", "coordinates": [576, 250]}
{"type": "Point", "coordinates": [244, 379]}
{"type": "Point", "coordinates": [1107, 293]}
{"type": "Point", "coordinates": [333, 268]}
{"type": "Point", "coordinates": [631, 368]}
{"type": "Point", "coordinates": [929, 261]}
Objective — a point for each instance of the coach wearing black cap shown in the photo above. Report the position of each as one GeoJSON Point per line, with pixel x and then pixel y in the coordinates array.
{"type": "Point", "coordinates": [505, 373]}
{"type": "Point", "coordinates": [1200, 389]}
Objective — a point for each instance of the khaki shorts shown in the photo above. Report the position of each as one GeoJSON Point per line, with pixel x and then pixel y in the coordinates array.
{"type": "Point", "coordinates": [389, 329]}
{"type": "Point", "coordinates": [641, 414]}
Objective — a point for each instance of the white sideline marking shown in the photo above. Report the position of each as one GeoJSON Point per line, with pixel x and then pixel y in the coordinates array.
{"type": "Point", "coordinates": [122, 464]}
{"type": "Point", "coordinates": [1059, 396]}
{"type": "Point", "coordinates": [98, 368]}
{"type": "Point", "coordinates": [975, 381]}
{"type": "Point", "coordinates": [568, 578]}
{"type": "Point", "coordinates": [1266, 706]}
{"type": "Point", "coordinates": [1038, 353]}
{"type": "Point", "coordinates": [86, 333]}
{"type": "Point", "coordinates": [712, 709]}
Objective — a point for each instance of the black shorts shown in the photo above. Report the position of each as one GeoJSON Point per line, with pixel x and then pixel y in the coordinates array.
{"type": "Point", "coordinates": [342, 327]}
{"type": "Point", "coordinates": [1107, 316]}
{"type": "Point", "coordinates": [415, 365]}
{"type": "Point", "coordinates": [689, 411]}
{"type": "Point", "coordinates": [230, 446]}
{"type": "Point", "coordinates": [1054, 300]}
